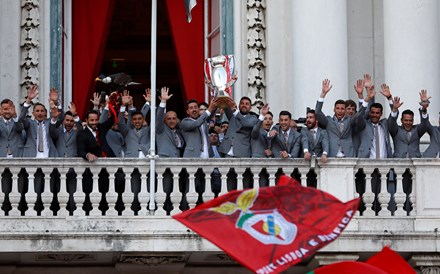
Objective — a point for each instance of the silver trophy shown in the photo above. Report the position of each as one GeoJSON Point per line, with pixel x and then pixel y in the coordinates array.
{"type": "Point", "coordinates": [219, 76]}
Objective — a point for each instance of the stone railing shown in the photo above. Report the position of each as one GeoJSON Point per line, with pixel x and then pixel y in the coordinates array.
{"type": "Point", "coordinates": [70, 205]}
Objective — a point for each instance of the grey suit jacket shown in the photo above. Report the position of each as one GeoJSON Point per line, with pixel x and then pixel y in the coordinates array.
{"type": "Point", "coordinates": [238, 134]}
{"type": "Point", "coordinates": [193, 136]}
{"type": "Point", "coordinates": [338, 139]}
{"type": "Point", "coordinates": [317, 147]}
{"type": "Point", "coordinates": [367, 138]}
{"type": "Point", "coordinates": [166, 144]}
{"type": "Point", "coordinates": [403, 147]}
{"type": "Point", "coordinates": [259, 141]}
{"type": "Point", "coordinates": [292, 146]}
{"type": "Point", "coordinates": [434, 142]}
{"type": "Point", "coordinates": [31, 127]}
{"type": "Point", "coordinates": [135, 141]}
{"type": "Point", "coordinates": [65, 144]}
{"type": "Point", "coordinates": [11, 138]}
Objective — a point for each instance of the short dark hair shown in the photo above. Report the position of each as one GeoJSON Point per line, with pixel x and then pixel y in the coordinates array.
{"type": "Point", "coordinates": [137, 112]}
{"type": "Point", "coordinates": [203, 104]}
{"type": "Point", "coordinates": [91, 112]}
{"type": "Point", "coordinates": [68, 113]}
{"type": "Point", "coordinates": [340, 102]}
{"type": "Point", "coordinates": [350, 103]}
{"type": "Point", "coordinates": [377, 105]}
{"type": "Point", "coordinates": [190, 102]}
{"type": "Point", "coordinates": [5, 101]}
{"type": "Point", "coordinates": [285, 112]}
{"type": "Point", "coordinates": [311, 111]}
{"type": "Point", "coordinates": [270, 113]}
{"type": "Point", "coordinates": [224, 122]}
{"type": "Point", "coordinates": [246, 98]}
{"type": "Point", "coordinates": [40, 104]}
{"type": "Point", "coordinates": [407, 111]}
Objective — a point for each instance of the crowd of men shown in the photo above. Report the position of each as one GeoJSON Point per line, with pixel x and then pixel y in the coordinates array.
{"type": "Point", "coordinates": [218, 129]}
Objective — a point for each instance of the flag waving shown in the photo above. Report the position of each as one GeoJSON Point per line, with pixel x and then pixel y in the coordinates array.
{"type": "Point", "coordinates": [189, 5]}
{"type": "Point", "coordinates": [270, 229]}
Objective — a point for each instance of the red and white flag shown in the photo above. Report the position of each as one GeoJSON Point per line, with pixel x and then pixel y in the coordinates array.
{"type": "Point", "coordinates": [189, 5]}
{"type": "Point", "coordinates": [272, 228]}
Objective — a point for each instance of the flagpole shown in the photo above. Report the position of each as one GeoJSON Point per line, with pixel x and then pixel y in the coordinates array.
{"type": "Point", "coordinates": [152, 155]}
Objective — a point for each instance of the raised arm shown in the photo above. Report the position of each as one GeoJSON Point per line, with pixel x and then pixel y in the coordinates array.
{"type": "Point", "coordinates": [320, 116]}
{"type": "Point", "coordinates": [425, 125]}
{"type": "Point", "coordinates": [392, 120]}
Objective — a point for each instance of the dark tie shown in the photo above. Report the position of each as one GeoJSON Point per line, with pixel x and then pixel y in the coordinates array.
{"type": "Point", "coordinates": [177, 139]}
{"type": "Point", "coordinates": [40, 137]}
{"type": "Point", "coordinates": [8, 122]}
{"type": "Point", "coordinates": [104, 154]}
{"type": "Point", "coordinates": [286, 136]}
{"type": "Point", "coordinates": [377, 144]}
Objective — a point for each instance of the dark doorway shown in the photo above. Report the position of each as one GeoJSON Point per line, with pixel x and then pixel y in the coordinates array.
{"type": "Point", "coordinates": [128, 51]}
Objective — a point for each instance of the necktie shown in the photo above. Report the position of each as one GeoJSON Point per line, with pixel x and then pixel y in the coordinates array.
{"type": "Point", "coordinates": [7, 124]}
{"type": "Point", "coordinates": [7, 127]}
{"type": "Point", "coordinates": [341, 127]}
{"type": "Point", "coordinates": [177, 139]}
{"type": "Point", "coordinates": [40, 137]}
{"type": "Point", "coordinates": [313, 131]}
{"type": "Point", "coordinates": [286, 136]}
{"type": "Point", "coordinates": [408, 136]}
{"type": "Point", "coordinates": [376, 136]}
{"type": "Point", "coordinates": [104, 154]}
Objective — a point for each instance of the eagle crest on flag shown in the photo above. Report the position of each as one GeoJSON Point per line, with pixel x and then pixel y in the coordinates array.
{"type": "Point", "coordinates": [266, 226]}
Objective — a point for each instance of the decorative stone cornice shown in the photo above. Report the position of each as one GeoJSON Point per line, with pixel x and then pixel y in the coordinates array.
{"type": "Point", "coordinates": [153, 260]}
{"type": "Point", "coordinates": [256, 44]}
{"type": "Point", "coordinates": [30, 42]}
{"type": "Point", "coordinates": [65, 258]}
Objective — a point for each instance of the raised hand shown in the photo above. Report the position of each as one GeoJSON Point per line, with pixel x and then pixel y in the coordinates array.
{"type": "Point", "coordinates": [96, 99]}
{"type": "Point", "coordinates": [385, 91]}
{"type": "Point", "coordinates": [367, 81]}
{"type": "Point", "coordinates": [326, 87]}
{"type": "Point", "coordinates": [164, 96]}
{"type": "Point", "coordinates": [396, 103]}
{"type": "Point", "coordinates": [265, 109]}
{"type": "Point", "coordinates": [370, 93]}
{"type": "Point", "coordinates": [53, 95]}
{"type": "Point", "coordinates": [424, 98]}
{"type": "Point", "coordinates": [72, 109]}
{"type": "Point", "coordinates": [147, 95]}
{"type": "Point", "coordinates": [12, 109]}
{"type": "Point", "coordinates": [359, 88]}
{"type": "Point", "coordinates": [125, 98]}
{"type": "Point", "coordinates": [32, 93]}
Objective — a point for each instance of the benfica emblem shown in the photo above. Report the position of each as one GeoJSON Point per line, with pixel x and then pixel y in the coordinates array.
{"type": "Point", "coordinates": [266, 226]}
{"type": "Point", "coordinates": [270, 229]}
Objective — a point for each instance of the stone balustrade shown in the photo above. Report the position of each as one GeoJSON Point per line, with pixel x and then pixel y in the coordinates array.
{"type": "Point", "coordinates": [70, 205]}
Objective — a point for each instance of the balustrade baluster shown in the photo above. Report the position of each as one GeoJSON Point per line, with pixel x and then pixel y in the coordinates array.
{"type": "Point", "coordinates": [95, 195]}
{"type": "Point", "coordinates": [368, 196]}
{"type": "Point", "coordinates": [63, 195]}
{"type": "Point", "coordinates": [175, 195]}
{"type": "Point", "coordinates": [47, 195]}
{"type": "Point", "coordinates": [128, 195]}
{"type": "Point", "coordinates": [384, 197]}
{"type": "Point", "coordinates": [112, 196]}
{"type": "Point", "coordinates": [160, 194]}
{"type": "Point", "coordinates": [400, 196]}
{"type": "Point", "coordinates": [191, 195]}
{"type": "Point", "coordinates": [31, 196]}
{"type": "Point", "coordinates": [14, 196]}
{"type": "Point", "coordinates": [79, 196]}
{"type": "Point", "coordinates": [143, 195]}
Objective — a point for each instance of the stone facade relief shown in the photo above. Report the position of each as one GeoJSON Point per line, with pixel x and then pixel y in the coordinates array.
{"type": "Point", "coordinates": [256, 44]}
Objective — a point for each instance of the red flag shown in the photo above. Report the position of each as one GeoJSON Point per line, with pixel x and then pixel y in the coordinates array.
{"type": "Point", "coordinates": [385, 262]}
{"type": "Point", "coordinates": [270, 229]}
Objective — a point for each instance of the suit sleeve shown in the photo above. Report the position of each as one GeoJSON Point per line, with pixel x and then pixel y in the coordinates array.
{"type": "Point", "coordinates": [247, 121]}
{"type": "Point", "coordinates": [294, 151]}
{"type": "Point", "coordinates": [190, 124]}
{"type": "Point", "coordinates": [424, 124]}
{"type": "Point", "coordinates": [256, 130]}
{"type": "Point", "coordinates": [81, 143]}
{"type": "Point", "coordinates": [320, 116]}
{"type": "Point", "coordinates": [23, 118]}
{"type": "Point", "coordinates": [304, 140]}
{"type": "Point", "coordinates": [392, 125]}
{"type": "Point", "coordinates": [123, 127]}
{"type": "Point", "coordinates": [53, 131]}
{"type": "Point", "coordinates": [160, 120]}
{"type": "Point", "coordinates": [358, 122]}
{"type": "Point", "coordinates": [325, 141]}
{"type": "Point", "coordinates": [145, 109]}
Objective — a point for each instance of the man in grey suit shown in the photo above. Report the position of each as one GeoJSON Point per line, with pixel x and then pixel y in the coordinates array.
{"type": "Point", "coordinates": [169, 139]}
{"type": "Point", "coordinates": [433, 150]}
{"type": "Point", "coordinates": [339, 127]}
{"type": "Point", "coordinates": [64, 135]}
{"type": "Point", "coordinates": [195, 130]}
{"type": "Point", "coordinates": [286, 142]}
{"type": "Point", "coordinates": [374, 135]}
{"type": "Point", "coordinates": [38, 141]}
{"type": "Point", "coordinates": [137, 137]}
{"type": "Point", "coordinates": [10, 131]}
{"type": "Point", "coordinates": [260, 143]}
{"type": "Point", "coordinates": [407, 136]}
{"type": "Point", "coordinates": [237, 140]}
{"type": "Point", "coordinates": [314, 140]}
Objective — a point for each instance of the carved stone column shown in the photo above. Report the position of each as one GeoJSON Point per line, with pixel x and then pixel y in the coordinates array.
{"type": "Point", "coordinates": [256, 44]}
{"type": "Point", "coordinates": [427, 263]}
{"type": "Point", "coordinates": [29, 43]}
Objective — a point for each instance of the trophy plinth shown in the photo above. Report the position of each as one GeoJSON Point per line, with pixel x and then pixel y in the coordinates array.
{"type": "Point", "coordinates": [219, 75]}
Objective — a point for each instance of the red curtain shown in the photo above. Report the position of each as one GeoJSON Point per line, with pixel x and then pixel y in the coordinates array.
{"type": "Point", "coordinates": [188, 44]}
{"type": "Point", "coordinates": [91, 24]}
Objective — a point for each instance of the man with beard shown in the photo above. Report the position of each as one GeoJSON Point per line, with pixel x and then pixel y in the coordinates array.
{"type": "Point", "coordinates": [237, 140]}
{"type": "Point", "coordinates": [10, 131]}
{"type": "Point", "coordinates": [314, 140]}
{"type": "Point", "coordinates": [91, 141]}
{"type": "Point", "coordinates": [64, 136]}
{"type": "Point", "coordinates": [38, 141]}
{"type": "Point", "coordinates": [339, 127]}
{"type": "Point", "coordinates": [261, 145]}
{"type": "Point", "coordinates": [286, 142]}
{"type": "Point", "coordinates": [195, 130]}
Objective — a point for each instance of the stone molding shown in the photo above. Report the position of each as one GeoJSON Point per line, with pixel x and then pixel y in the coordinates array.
{"type": "Point", "coordinates": [29, 44]}
{"type": "Point", "coordinates": [256, 45]}
{"type": "Point", "coordinates": [153, 260]}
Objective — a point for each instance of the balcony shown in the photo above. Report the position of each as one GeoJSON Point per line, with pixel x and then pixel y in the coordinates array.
{"type": "Point", "coordinates": [60, 213]}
